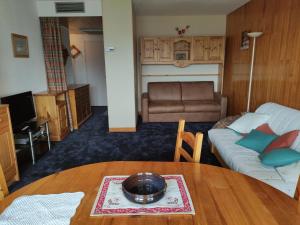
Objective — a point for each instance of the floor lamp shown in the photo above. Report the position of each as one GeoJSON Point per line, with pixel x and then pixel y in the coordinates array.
{"type": "Point", "coordinates": [253, 35]}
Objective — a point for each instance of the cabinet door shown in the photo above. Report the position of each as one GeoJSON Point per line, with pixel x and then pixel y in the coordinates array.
{"type": "Point", "coordinates": [63, 119]}
{"type": "Point", "coordinates": [216, 49]}
{"type": "Point", "coordinates": [165, 50]}
{"type": "Point", "coordinates": [7, 148]}
{"type": "Point", "coordinates": [7, 156]}
{"type": "Point", "coordinates": [149, 50]}
{"type": "Point", "coordinates": [199, 51]}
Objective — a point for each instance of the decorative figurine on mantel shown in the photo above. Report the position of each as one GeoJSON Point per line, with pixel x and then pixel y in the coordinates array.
{"type": "Point", "coordinates": [182, 31]}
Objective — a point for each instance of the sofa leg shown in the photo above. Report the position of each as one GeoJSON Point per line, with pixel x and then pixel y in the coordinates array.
{"type": "Point", "coordinates": [212, 149]}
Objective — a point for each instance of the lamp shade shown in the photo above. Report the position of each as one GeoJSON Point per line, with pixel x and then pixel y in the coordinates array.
{"type": "Point", "coordinates": [255, 34]}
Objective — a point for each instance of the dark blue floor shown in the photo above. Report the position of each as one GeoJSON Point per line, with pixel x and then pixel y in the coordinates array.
{"type": "Point", "coordinates": [92, 143]}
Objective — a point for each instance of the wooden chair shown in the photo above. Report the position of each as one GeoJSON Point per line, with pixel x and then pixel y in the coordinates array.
{"type": "Point", "coordinates": [195, 142]}
{"type": "Point", "coordinates": [3, 185]}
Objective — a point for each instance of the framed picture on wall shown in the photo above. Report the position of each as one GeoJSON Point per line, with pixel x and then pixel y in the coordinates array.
{"type": "Point", "coordinates": [20, 46]}
{"type": "Point", "coordinates": [245, 40]}
{"type": "Point", "coordinates": [181, 55]}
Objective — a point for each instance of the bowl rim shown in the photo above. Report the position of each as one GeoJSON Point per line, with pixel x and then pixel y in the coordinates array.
{"type": "Point", "coordinates": [149, 195]}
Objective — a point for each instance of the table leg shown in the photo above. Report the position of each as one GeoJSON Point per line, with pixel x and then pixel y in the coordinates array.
{"type": "Point", "coordinates": [48, 136]}
{"type": "Point", "coordinates": [31, 147]}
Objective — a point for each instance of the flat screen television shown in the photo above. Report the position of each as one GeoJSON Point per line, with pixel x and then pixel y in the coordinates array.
{"type": "Point", "coordinates": [21, 107]}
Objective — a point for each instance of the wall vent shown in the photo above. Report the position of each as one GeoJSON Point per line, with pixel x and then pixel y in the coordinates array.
{"type": "Point", "coordinates": [69, 7]}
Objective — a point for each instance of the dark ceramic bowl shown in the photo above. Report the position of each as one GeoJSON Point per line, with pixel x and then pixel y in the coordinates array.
{"type": "Point", "coordinates": [144, 188]}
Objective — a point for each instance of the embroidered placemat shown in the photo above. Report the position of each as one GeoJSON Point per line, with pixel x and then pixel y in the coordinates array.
{"type": "Point", "coordinates": [111, 201]}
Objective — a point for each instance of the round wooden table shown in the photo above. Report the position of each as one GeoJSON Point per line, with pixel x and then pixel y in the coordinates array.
{"type": "Point", "coordinates": [220, 196]}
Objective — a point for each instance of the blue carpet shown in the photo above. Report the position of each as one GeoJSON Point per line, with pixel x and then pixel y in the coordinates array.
{"type": "Point", "coordinates": [92, 143]}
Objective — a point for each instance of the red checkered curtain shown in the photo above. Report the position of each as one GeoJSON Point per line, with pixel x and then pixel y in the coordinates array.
{"type": "Point", "coordinates": [53, 54]}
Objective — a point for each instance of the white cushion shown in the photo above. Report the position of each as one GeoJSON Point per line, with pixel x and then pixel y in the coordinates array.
{"type": "Point", "coordinates": [246, 161]}
{"type": "Point", "coordinates": [239, 158]}
{"type": "Point", "coordinates": [290, 173]}
{"type": "Point", "coordinates": [282, 120]}
{"type": "Point", "coordinates": [288, 188]}
{"type": "Point", "coordinates": [248, 122]}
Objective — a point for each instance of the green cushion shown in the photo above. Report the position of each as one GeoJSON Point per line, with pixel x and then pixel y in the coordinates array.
{"type": "Point", "coordinates": [280, 157]}
{"type": "Point", "coordinates": [256, 140]}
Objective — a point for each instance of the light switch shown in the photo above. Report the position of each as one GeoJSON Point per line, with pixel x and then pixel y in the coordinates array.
{"type": "Point", "coordinates": [110, 49]}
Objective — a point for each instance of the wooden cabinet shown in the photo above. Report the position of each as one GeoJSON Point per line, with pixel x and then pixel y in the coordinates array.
{"type": "Point", "coordinates": [7, 147]}
{"type": "Point", "coordinates": [208, 49]}
{"type": "Point", "coordinates": [182, 51]}
{"type": "Point", "coordinates": [149, 52]}
{"type": "Point", "coordinates": [53, 107]}
{"type": "Point", "coordinates": [165, 50]}
{"type": "Point", "coordinates": [156, 50]}
{"type": "Point", "coordinates": [79, 96]}
{"type": "Point", "coordinates": [199, 51]}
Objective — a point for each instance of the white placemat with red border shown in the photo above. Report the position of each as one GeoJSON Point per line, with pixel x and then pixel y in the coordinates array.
{"type": "Point", "coordinates": [110, 200]}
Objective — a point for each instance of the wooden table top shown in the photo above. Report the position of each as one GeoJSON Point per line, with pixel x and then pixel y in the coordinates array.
{"type": "Point", "coordinates": [220, 196]}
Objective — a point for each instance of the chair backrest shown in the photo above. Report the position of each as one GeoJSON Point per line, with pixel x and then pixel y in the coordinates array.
{"type": "Point", "coordinates": [194, 141]}
{"type": "Point", "coordinates": [3, 185]}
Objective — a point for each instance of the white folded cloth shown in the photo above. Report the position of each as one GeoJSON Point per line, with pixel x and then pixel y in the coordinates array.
{"type": "Point", "coordinates": [53, 209]}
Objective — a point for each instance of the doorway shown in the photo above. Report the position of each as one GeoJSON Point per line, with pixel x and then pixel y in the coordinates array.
{"type": "Point", "coordinates": [88, 67]}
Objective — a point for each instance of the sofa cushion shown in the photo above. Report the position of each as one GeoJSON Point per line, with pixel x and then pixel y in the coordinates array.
{"type": "Point", "coordinates": [248, 122]}
{"type": "Point", "coordinates": [284, 141]}
{"type": "Point", "coordinates": [201, 106]}
{"type": "Point", "coordinates": [280, 157]}
{"type": "Point", "coordinates": [202, 90]}
{"type": "Point", "coordinates": [165, 107]}
{"type": "Point", "coordinates": [256, 140]}
{"type": "Point", "coordinates": [282, 119]}
{"type": "Point", "coordinates": [265, 128]}
{"type": "Point", "coordinates": [164, 91]}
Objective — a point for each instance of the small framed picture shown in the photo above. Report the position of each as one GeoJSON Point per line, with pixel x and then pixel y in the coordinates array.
{"type": "Point", "coordinates": [20, 46]}
{"type": "Point", "coordinates": [245, 40]}
{"type": "Point", "coordinates": [181, 55]}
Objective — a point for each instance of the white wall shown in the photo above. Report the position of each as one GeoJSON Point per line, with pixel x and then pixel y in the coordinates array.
{"type": "Point", "coordinates": [20, 74]}
{"type": "Point", "coordinates": [119, 63]}
{"type": "Point", "coordinates": [46, 8]}
{"type": "Point", "coordinates": [165, 26]}
{"type": "Point", "coordinates": [65, 36]}
{"type": "Point", "coordinates": [89, 66]}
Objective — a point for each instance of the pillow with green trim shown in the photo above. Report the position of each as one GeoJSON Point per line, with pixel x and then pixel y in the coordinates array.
{"type": "Point", "coordinates": [280, 157]}
{"type": "Point", "coordinates": [256, 140]}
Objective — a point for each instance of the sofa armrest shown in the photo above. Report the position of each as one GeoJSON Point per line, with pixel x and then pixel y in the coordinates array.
{"type": "Point", "coordinates": [145, 107]}
{"type": "Point", "coordinates": [223, 101]}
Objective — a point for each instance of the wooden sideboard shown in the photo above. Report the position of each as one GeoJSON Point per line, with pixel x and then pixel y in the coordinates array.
{"type": "Point", "coordinates": [182, 51]}
{"type": "Point", "coordinates": [8, 158]}
{"type": "Point", "coordinates": [79, 96]}
{"type": "Point", "coordinates": [53, 107]}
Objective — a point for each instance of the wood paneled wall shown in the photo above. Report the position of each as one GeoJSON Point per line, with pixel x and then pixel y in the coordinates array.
{"type": "Point", "coordinates": [277, 62]}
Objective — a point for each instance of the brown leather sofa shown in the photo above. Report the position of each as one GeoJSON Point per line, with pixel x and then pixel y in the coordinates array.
{"type": "Point", "coordinates": [192, 101]}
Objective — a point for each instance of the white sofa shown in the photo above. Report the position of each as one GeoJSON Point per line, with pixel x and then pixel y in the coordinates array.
{"type": "Point", "coordinates": [246, 161]}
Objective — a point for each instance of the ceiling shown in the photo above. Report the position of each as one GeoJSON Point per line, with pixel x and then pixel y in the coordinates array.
{"type": "Point", "coordinates": [181, 7]}
{"type": "Point", "coordinates": [185, 7]}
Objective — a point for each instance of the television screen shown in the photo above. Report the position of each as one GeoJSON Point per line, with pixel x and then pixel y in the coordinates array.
{"type": "Point", "coordinates": [21, 108]}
